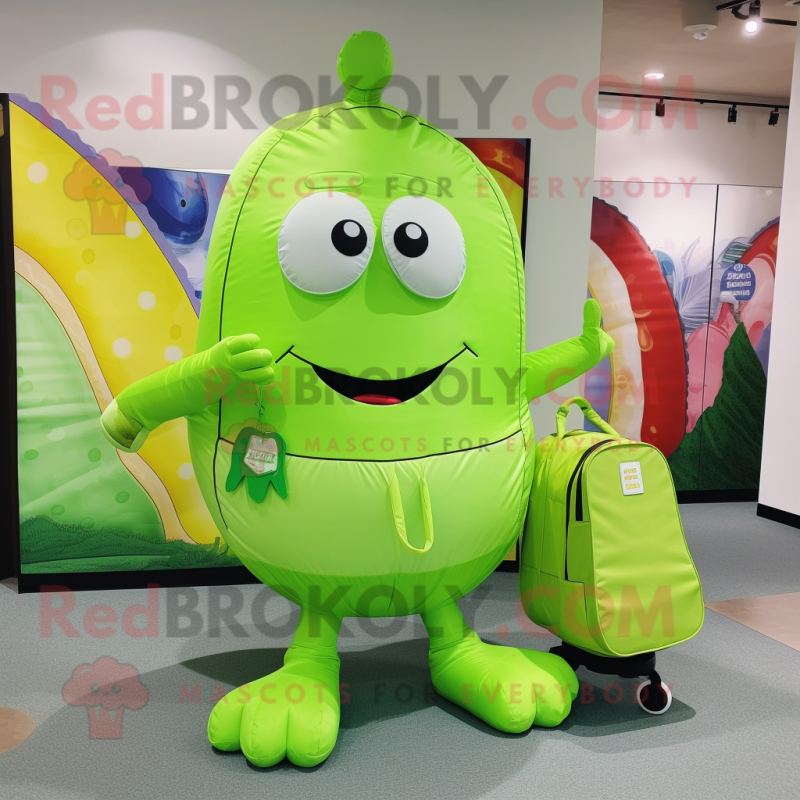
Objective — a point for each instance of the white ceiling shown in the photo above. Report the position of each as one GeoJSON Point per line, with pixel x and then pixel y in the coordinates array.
{"type": "Point", "coordinates": [647, 36]}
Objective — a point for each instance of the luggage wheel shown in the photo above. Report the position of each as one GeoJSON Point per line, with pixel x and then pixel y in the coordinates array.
{"type": "Point", "coordinates": [652, 696]}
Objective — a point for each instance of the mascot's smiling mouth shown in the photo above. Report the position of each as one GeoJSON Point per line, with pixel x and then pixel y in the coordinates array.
{"type": "Point", "coordinates": [377, 392]}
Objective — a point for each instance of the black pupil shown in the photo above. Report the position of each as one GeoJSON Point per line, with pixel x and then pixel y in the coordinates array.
{"type": "Point", "coordinates": [183, 203]}
{"type": "Point", "coordinates": [349, 238]}
{"type": "Point", "coordinates": [411, 240]}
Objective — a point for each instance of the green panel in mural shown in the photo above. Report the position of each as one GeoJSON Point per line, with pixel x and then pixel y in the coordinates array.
{"type": "Point", "coordinates": [80, 509]}
{"type": "Point", "coordinates": [727, 438]}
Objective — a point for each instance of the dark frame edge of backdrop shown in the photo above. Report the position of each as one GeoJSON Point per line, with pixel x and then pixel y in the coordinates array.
{"type": "Point", "coordinates": [9, 494]}
{"type": "Point", "coordinates": [162, 578]}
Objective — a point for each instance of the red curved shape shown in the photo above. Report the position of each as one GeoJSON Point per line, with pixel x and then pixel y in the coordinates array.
{"type": "Point", "coordinates": [765, 244]}
{"type": "Point", "coordinates": [659, 328]}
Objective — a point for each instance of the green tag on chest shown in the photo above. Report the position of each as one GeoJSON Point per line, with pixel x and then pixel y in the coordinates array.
{"type": "Point", "coordinates": [259, 457]}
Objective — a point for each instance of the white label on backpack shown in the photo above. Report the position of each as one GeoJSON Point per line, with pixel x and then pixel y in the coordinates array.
{"type": "Point", "coordinates": [631, 474]}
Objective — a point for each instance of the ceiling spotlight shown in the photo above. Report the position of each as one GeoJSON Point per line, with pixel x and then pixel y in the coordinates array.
{"type": "Point", "coordinates": [753, 16]}
{"type": "Point", "coordinates": [654, 76]}
{"type": "Point", "coordinates": [733, 113]}
{"type": "Point", "coordinates": [773, 116]}
{"type": "Point", "coordinates": [753, 19]}
{"type": "Point", "coordinates": [700, 35]}
{"type": "Point", "coordinates": [661, 108]}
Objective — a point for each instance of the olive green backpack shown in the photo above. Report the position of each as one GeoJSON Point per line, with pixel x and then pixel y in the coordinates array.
{"type": "Point", "coordinates": [605, 564]}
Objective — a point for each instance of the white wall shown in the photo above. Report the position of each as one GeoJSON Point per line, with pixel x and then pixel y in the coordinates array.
{"type": "Point", "coordinates": [780, 478]}
{"type": "Point", "coordinates": [703, 147]}
{"type": "Point", "coordinates": [115, 49]}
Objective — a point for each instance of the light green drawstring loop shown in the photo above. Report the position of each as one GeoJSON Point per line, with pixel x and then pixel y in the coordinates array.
{"type": "Point", "coordinates": [399, 515]}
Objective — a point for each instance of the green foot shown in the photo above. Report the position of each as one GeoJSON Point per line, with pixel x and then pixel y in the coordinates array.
{"type": "Point", "coordinates": [508, 688]}
{"type": "Point", "coordinates": [292, 713]}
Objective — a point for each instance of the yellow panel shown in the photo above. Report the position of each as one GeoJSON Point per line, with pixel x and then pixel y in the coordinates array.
{"type": "Point", "coordinates": [132, 306]}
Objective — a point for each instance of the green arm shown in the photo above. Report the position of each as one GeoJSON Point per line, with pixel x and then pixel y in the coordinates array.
{"type": "Point", "coordinates": [184, 388]}
{"type": "Point", "coordinates": [552, 367]}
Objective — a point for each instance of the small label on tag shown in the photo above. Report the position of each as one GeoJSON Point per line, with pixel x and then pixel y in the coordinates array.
{"type": "Point", "coordinates": [259, 458]}
{"type": "Point", "coordinates": [261, 455]}
{"type": "Point", "coordinates": [630, 473]}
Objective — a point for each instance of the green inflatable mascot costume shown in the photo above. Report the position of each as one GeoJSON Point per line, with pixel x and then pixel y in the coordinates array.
{"type": "Point", "coordinates": [376, 460]}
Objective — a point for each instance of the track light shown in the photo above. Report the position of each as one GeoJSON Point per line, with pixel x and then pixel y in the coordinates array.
{"type": "Point", "coordinates": [752, 19]}
{"type": "Point", "coordinates": [773, 116]}
{"type": "Point", "coordinates": [733, 113]}
{"type": "Point", "coordinates": [661, 108]}
{"type": "Point", "coordinates": [752, 24]}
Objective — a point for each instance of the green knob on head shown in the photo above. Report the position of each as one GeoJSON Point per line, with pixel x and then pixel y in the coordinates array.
{"type": "Point", "coordinates": [365, 67]}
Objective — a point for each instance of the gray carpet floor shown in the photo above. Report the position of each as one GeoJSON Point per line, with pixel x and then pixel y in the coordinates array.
{"type": "Point", "coordinates": [732, 732]}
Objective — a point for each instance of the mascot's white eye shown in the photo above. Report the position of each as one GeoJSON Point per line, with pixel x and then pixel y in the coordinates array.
{"type": "Point", "coordinates": [425, 246]}
{"type": "Point", "coordinates": [325, 242]}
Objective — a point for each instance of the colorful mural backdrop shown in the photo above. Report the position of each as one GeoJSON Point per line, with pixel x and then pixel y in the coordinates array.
{"type": "Point", "coordinates": [684, 276]}
{"type": "Point", "coordinates": [109, 265]}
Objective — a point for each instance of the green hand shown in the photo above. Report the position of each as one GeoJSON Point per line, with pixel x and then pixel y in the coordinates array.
{"type": "Point", "coordinates": [243, 358]}
{"type": "Point", "coordinates": [185, 388]}
{"type": "Point", "coordinates": [552, 367]}
{"type": "Point", "coordinates": [593, 334]}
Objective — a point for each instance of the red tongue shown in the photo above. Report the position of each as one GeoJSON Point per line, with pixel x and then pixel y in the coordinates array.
{"type": "Point", "coordinates": [377, 399]}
